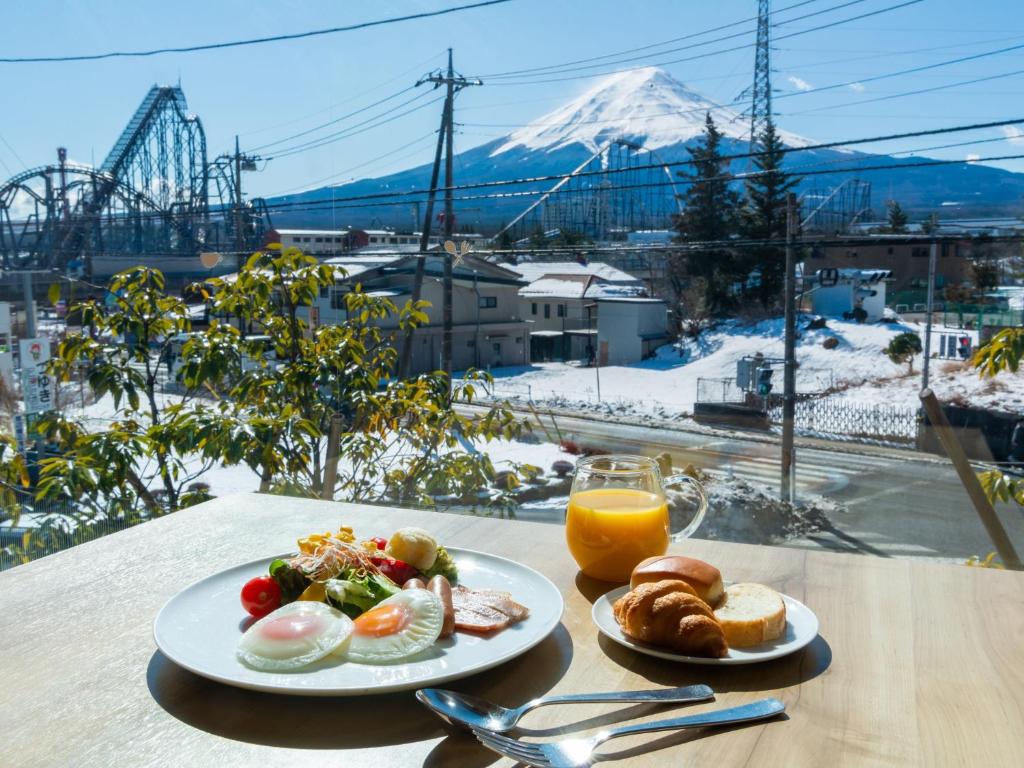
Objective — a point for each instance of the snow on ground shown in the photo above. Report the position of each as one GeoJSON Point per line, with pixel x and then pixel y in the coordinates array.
{"type": "Point", "coordinates": [504, 454]}
{"type": "Point", "coordinates": [857, 371]}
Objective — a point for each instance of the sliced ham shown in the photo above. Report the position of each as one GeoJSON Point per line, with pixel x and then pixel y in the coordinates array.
{"type": "Point", "coordinates": [485, 610]}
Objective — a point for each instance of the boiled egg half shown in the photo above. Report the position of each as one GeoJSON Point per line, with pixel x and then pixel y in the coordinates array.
{"type": "Point", "coordinates": [400, 626]}
{"type": "Point", "coordinates": [293, 636]}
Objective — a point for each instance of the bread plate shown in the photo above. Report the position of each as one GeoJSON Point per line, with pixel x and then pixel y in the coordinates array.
{"type": "Point", "coordinates": [198, 629]}
{"type": "Point", "coordinates": [801, 629]}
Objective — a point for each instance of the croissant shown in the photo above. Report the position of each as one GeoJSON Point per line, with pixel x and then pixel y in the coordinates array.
{"type": "Point", "coordinates": [669, 614]}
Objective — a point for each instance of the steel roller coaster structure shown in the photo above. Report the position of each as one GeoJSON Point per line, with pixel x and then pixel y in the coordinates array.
{"type": "Point", "coordinates": [156, 195]}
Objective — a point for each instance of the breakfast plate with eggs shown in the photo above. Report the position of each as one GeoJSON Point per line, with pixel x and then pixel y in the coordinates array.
{"type": "Point", "coordinates": [339, 618]}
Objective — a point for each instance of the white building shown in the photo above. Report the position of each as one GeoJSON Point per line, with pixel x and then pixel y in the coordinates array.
{"type": "Point", "coordinates": [854, 289]}
{"type": "Point", "coordinates": [629, 329]}
{"type": "Point", "coordinates": [562, 304]}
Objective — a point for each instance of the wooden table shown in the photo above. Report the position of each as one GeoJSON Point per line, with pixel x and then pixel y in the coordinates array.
{"type": "Point", "coordinates": [917, 663]}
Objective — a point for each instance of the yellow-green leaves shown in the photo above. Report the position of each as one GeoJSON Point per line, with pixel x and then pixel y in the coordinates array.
{"type": "Point", "coordinates": [53, 293]}
{"type": "Point", "coordinates": [1002, 353]}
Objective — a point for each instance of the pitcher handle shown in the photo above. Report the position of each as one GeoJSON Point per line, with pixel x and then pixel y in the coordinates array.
{"type": "Point", "coordinates": [702, 508]}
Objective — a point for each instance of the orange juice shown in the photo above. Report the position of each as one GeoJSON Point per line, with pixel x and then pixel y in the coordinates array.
{"type": "Point", "coordinates": [610, 530]}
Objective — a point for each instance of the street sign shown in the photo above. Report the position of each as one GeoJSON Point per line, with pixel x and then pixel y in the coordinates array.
{"type": "Point", "coordinates": [19, 433]}
{"type": "Point", "coordinates": [36, 384]}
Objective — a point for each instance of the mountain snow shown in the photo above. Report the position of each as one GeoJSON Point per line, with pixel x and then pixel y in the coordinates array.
{"type": "Point", "coordinates": [646, 106]}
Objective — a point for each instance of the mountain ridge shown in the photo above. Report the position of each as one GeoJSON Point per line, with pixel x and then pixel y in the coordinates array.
{"type": "Point", "coordinates": [649, 107]}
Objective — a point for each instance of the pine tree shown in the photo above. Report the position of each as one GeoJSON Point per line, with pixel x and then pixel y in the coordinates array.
{"type": "Point", "coordinates": [897, 218]}
{"type": "Point", "coordinates": [763, 216]}
{"type": "Point", "coordinates": [709, 213]}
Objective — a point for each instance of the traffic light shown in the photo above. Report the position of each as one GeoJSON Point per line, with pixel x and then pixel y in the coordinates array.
{"type": "Point", "coordinates": [764, 381]}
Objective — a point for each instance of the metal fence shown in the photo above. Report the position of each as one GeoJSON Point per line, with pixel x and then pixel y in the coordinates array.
{"type": "Point", "coordinates": [719, 391]}
{"type": "Point", "coordinates": [843, 419]}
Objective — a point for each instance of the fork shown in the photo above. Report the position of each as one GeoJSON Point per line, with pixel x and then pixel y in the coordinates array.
{"type": "Point", "coordinates": [570, 753]}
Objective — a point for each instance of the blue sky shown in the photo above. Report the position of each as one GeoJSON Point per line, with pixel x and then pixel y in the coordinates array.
{"type": "Point", "coordinates": [268, 92]}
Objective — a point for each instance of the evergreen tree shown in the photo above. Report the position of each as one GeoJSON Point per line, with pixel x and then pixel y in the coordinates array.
{"type": "Point", "coordinates": [897, 218]}
{"type": "Point", "coordinates": [930, 225]}
{"type": "Point", "coordinates": [764, 216]}
{"type": "Point", "coordinates": [709, 213]}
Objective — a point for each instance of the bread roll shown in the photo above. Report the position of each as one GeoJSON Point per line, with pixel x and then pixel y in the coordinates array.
{"type": "Point", "coordinates": [668, 614]}
{"type": "Point", "coordinates": [751, 614]}
{"type": "Point", "coordinates": [703, 577]}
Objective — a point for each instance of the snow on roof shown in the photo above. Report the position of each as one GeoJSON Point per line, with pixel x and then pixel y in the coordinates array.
{"type": "Point", "coordinates": [534, 270]}
{"type": "Point", "coordinates": [562, 288]}
{"type": "Point", "coordinates": [329, 232]}
{"type": "Point", "coordinates": [355, 266]}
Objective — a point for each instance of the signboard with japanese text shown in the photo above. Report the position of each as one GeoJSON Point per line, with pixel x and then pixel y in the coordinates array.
{"type": "Point", "coordinates": [37, 385]}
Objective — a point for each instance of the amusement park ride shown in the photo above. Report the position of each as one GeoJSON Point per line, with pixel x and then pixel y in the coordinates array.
{"type": "Point", "coordinates": [156, 195]}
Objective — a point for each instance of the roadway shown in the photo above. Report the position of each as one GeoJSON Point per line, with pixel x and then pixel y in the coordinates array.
{"type": "Point", "coordinates": [898, 502]}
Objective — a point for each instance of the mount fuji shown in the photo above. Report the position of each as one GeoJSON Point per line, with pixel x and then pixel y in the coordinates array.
{"type": "Point", "coordinates": [649, 108]}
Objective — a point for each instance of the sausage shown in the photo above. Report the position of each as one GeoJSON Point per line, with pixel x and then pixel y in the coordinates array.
{"type": "Point", "coordinates": [414, 584]}
{"type": "Point", "coordinates": [439, 586]}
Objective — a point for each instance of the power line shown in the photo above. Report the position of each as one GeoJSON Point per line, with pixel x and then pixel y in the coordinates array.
{"type": "Point", "coordinates": [336, 174]}
{"type": "Point", "coordinates": [736, 156]}
{"type": "Point", "coordinates": [352, 97]}
{"type": "Point", "coordinates": [709, 54]}
{"type": "Point", "coordinates": [252, 41]}
{"type": "Point", "coordinates": [563, 68]}
{"type": "Point", "coordinates": [914, 92]}
{"type": "Point", "coordinates": [350, 131]}
{"type": "Point", "coordinates": [335, 121]}
{"type": "Point", "coordinates": [316, 205]}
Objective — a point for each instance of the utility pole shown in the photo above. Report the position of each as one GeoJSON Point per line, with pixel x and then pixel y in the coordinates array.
{"type": "Point", "coordinates": [239, 242]}
{"type": "Point", "coordinates": [931, 308]}
{"type": "Point", "coordinates": [445, 139]}
{"type": "Point", "coordinates": [789, 371]}
{"type": "Point", "coordinates": [241, 162]}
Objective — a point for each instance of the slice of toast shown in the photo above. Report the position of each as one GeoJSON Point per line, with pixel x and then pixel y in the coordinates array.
{"type": "Point", "coordinates": [751, 614]}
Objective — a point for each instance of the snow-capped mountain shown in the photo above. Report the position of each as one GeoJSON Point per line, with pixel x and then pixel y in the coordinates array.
{"type": "Point", "coordinates": [649, 108]}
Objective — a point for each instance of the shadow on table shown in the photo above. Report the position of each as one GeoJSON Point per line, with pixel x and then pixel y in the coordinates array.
{"type": "Point", "coordinates": [796, 668]}
{"type": "Point", "coordinates": [315, 722]}
{"type": "Point", "coordinates": [592, 588]}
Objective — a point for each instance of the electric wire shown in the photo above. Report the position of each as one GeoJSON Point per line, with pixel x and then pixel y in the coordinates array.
{"type": "Point", "coordinates": [558, 69]}
{"type": "Point", "coordinates": [709, 54]}
{"type": "Point", "coordinates": [252, 41]}
{"type": "Point", "coordinates": [335, 121]}
{"type": "Point", "coordinates": [725, 158]}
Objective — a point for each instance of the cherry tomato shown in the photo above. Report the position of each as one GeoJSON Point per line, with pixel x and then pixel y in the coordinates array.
{"type": "Point", "coordinates": [380, 542]}
{"type": "Point", "coordinates": [260, 596]}
{"type": "Point", "coordinates": [398, 571]}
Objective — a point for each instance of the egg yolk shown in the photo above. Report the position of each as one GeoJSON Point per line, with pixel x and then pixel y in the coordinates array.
{"type": "Point", "coordinates": [292, 627]}
{"type": "Point", "coordinates": [383, 620]}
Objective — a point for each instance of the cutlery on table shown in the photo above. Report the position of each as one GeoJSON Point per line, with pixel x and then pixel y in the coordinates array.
{"type": "Point", "coordinates": [570, 753]}
{"type": "Point", "coordinates": [462, 709]}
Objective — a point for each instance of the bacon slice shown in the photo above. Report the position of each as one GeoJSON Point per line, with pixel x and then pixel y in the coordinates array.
{"type": "Point", "coordinates": [485, 610]}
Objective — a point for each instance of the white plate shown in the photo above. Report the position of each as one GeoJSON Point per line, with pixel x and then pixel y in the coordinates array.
{"type": "Point", "coordinates": [199, 628]}
{"type": "Point", "coordinates": [801, 629]}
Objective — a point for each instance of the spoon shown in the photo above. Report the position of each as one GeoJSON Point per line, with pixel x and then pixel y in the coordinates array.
{"type": "Point", "coordinates": [473, 712]}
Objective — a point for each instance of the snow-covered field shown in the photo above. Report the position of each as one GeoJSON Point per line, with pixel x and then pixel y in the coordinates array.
{"type": "Point", "coordinates": [856, 371]}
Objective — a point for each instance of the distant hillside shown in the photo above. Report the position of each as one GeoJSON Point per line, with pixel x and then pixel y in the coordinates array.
{"type": "Point", "coordinates": [649, 107]}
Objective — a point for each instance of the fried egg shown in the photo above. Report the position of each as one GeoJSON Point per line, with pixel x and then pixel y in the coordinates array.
{"type": "Point", "coordinates": [293, 636]}
{"type": "Point", "coordinates": [405, 623]}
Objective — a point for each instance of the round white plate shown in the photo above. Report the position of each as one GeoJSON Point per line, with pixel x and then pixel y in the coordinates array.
{"type": "Point", "coordinates": [199, 628]}
{"type": "Point", "coordinates": [801, 629]}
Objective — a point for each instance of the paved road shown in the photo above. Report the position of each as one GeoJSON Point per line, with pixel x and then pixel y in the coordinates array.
{"type": "Point", "coordinates": [898, 502]}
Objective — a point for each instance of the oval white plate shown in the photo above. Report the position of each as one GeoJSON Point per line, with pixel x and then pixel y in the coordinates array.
{"type": "Point", "coordinates": [199, 628]}
{"type": "Point", "coordinates": [801, 629]}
